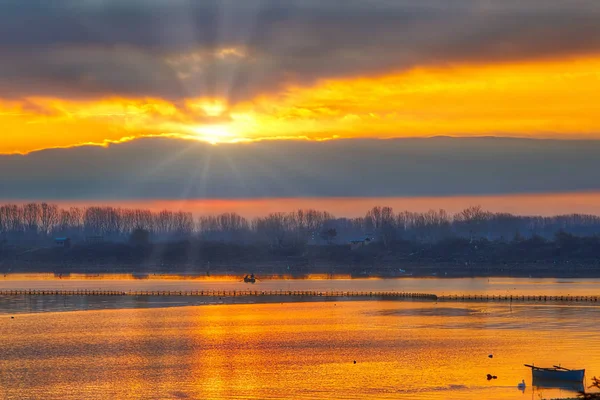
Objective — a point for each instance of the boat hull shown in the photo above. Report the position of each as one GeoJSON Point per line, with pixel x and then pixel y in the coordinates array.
{"type": "Point", "coordinates": [572, 386]}
{"type": "Point", "coordinates": [575, 375]}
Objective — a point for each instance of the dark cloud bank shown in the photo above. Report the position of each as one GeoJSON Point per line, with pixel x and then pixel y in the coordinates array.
{"type": "Point", "coordinates": [173, 169]}
{"type": "Point", "coordinates": [89, 48]}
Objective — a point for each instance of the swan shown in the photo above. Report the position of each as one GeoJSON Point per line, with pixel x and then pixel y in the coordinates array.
{"type": "Point", "coordinates": [521, 385]}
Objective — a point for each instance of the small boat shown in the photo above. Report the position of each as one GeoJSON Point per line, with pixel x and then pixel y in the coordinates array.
{"type": "Point", "coordinates": [250, 279]}
{"type": "Point", "coordinates": [571, 386]}
{"type": "Point", "coordinates": [557, 373]}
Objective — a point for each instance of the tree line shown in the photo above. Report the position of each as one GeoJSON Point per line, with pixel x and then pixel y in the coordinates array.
{"type": "Point", "coordinates": [43, 221]}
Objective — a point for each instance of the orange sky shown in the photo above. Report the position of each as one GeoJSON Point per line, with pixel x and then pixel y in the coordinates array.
{"type": "Point", "coordinates": [557, 98]}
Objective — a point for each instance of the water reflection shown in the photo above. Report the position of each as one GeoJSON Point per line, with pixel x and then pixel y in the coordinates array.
{"type": "Point", "coordinates": [141, 347]}
{"type": "Point", "coordinates": [429, 311]}
{"type": "Point", "coordinates": [406, 350]}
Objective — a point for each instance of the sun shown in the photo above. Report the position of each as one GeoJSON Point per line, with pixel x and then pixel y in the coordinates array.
{"type": "Point", "coordinates": [214, 134]}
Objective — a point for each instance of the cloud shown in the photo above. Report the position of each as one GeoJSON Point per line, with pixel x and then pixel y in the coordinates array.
{"type": "Point", "coordinates": [550, 99]}
{"type": "Point", "coordinates": [234, 50]}
{"type": "Point", "coordinates": [177, 169]}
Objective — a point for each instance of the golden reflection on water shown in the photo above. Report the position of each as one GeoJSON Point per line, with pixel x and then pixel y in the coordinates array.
{"type": "Point", "coordinates": [405, 350]}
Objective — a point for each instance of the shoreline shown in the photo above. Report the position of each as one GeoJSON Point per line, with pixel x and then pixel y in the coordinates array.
{"type": "Point", "coordinates": [265, 273]}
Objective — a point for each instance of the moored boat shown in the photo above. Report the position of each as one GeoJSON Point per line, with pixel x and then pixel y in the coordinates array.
{"type": "Point", "coordinates": [557, 373]}
{"type": "Point", "coordinates": [571, 386]}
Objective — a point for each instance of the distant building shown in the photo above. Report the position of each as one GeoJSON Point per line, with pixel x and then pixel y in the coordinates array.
{"type": "Point", "coordinates": [63, 242]}
{"type": "Point", "coordinates": [360, 242]}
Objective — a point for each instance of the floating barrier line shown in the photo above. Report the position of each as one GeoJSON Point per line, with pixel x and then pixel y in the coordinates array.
{"type": "Point", "coordinates": [392, 295]}
{"type": "Point", "coordinates": [518, 298]}
{"type": "Point", "coordinates": [222, 293]}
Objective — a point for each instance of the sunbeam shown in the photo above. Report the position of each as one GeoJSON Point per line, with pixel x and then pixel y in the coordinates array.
{"type": "Point", "coordinates": [214, 134]}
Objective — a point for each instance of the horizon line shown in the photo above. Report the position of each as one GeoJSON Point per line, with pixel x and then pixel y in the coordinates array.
{"type": "Point", "coordinates": [158, 205]}
{"type": "Point", "coordinates": [188, 138]}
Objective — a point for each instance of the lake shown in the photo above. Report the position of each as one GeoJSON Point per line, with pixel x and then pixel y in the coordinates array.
{"type": "Point", "coordinates": [146, 348]}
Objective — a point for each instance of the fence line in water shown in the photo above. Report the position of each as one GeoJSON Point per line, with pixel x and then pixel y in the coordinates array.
{"type": "Point", "coordinates": [304, 293]}
{"type": "Point", "coordinates": [220, 293]}
{"type": "Point", "coordinates": [517, 298]}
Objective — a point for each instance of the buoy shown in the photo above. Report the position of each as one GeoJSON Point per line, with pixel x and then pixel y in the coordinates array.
{"type": "Point", "coordinates": [354, 361]}
{"type": "Point", "coordinates": [12, 317]}
{"type": "Point", "coordinates": [491, 356]}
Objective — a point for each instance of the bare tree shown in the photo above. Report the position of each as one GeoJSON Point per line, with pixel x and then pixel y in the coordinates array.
{"type": "Point", "coordinates": [70, 221]}
{"type": "Point", "coordinates": [183, 224]}
{"type": "Point", "coordinates": [31, 217]}
{"type": "Point", "coordinates": [272, 228]}
{"type": "Point", "coordinates": [10, 218]}
{"type": "Point", "coordinates": [49, 217]}
{"type": "Point", "coordinates": [382, 222]}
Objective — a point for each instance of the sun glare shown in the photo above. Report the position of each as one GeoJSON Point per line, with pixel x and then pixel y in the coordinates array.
{"type": "Point", "coordinates": [214, 134]}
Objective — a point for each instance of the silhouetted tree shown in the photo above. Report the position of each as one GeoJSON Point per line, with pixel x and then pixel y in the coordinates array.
{"type": "Point", "coordinates": [537, 238]}
{"type": "Point", "coordinates": [31, 217]}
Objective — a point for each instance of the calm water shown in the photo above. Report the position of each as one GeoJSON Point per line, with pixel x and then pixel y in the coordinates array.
{"type": "Point", "coordinates": [407, 350]}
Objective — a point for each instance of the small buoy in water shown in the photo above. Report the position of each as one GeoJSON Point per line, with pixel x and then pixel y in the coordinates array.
{"type": "Point", "coordinates": [489, 377]}
{"type": "Point", "coordinates": [12, 317]}
{"type": "Point", "coordinates": [491, 356]}
{"type": "Point", "coordinates": [354, 361]}
{"type": "Point", "coordinates": [494, 377]}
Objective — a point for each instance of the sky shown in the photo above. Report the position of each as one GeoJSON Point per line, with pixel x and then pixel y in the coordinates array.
{"type": "Point", "coordinates": [93, 82]}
